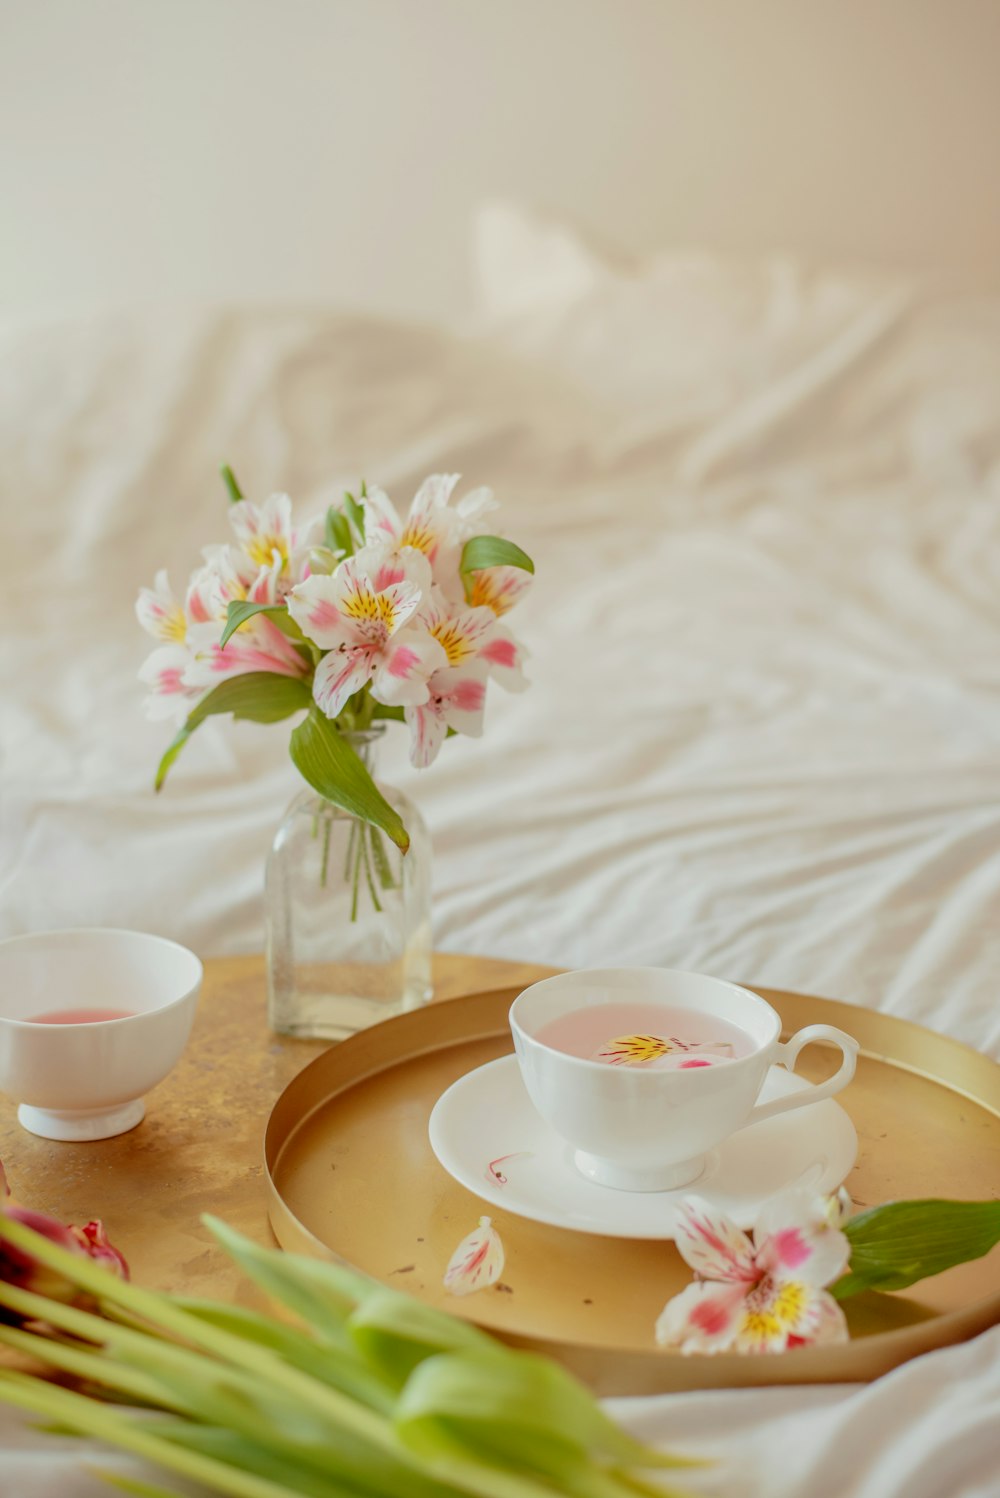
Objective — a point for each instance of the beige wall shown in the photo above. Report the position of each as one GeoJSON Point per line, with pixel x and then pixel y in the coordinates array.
{"type": "Point", "coordinates": [326, 149]}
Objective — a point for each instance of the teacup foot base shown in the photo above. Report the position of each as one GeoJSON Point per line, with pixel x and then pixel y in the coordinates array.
{"type": "Point", "coordinates": [81, 1125]}
{"type": "Point", "coordinates": [620, 1178]}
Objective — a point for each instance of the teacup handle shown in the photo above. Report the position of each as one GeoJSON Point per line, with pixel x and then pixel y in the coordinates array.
{"type": "Point", "coordinates": [788, 1054]}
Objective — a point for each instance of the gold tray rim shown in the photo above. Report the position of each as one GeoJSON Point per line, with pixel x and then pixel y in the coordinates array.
{"type": "Point", "coordinates": [886, 1038]}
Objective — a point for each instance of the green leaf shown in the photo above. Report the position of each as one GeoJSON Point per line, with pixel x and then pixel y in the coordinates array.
{"type": "Point", "coordinates": [337, 532]}
{"type": "Point", "coordinates": [259, 696]}
{"type": "Point", "coordinates": [355, 1466]}
{"type": "Point", "coordinates": [519, 1394]}
{"type": "Point", "coordinates": [311, 1354]}
{"type": "Point", "coordinates": [132, 1485]}
{"type": "Point", "coordinates": [240, 610]}
{"type": "Point", "coordinates": [325, 759]}
{"type": "Point", "coordinates": [356, 515]}
{"type": "Point", "coordinates": [89, 1417]}
{"type": "Point", "coordinates": [395, 1333]}
{"type": "Point", "coordinates": [396, 714]}
{"type": "Point", "coordinates": [895, 1245]}
{"type": "Point", "coordinates": [229, 479]}
{"type": "Point", "coordinates": [493, 551]}
{"type": "Point", "coordinates": [166, 763]}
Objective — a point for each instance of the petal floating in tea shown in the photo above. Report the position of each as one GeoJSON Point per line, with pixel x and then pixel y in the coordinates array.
{"type": "Point", "coordinates": [634, 1050]}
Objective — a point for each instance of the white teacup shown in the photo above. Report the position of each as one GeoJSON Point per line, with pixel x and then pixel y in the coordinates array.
{"type": "Point", "coordinates": [640, 1129]}
{"type": "Point", "coordinates": [82, 1081]}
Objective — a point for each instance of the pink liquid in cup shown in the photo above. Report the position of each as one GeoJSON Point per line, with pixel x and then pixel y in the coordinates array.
{"type": "Point", "coordinates": [613, 1034]}
{"type": "Point", "coordinates": [79, 1016]}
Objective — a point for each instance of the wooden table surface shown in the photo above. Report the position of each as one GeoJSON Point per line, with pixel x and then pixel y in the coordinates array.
{"type": "Point", "coordinates": [200, 1147]}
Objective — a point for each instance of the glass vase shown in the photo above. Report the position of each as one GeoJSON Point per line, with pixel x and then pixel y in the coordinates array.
{"type": "Point", "coordinates": [348, 915]}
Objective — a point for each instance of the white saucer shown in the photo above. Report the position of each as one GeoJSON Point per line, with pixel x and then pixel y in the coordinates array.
{"type": "Point", "coordinates": [487, 1134]}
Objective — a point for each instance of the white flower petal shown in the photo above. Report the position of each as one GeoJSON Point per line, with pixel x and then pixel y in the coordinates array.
{"type": "Point", "coordinates": [713, 1245]}
{"type": "Point", "coordinates": [477, 1261]}
{"type": "Point", "coordinates": [339, 675]}
{"type": "Point", "coordinates": [164, 672]}
{"type": "Point", "coordinates": [461, 691]}
{"type": "Point", "coordinates": [158, 611]}
{"type": "Point", "coordinates": [315, 607]}
{"type": "Point", "coordinates": [382, 520]}
{"type": "Point", "coordinates": [703, 1318]}
{"type": "Point", "coordinates": [794, 1239]}
{"type": "Point", "coordinates": [504, 655]}
{"type": "Point", "coordinates": [498, 588]}
{"type": "Point", "coordinates": [427, 733]}
{"type": "Point", "coordinates": [405, 666]}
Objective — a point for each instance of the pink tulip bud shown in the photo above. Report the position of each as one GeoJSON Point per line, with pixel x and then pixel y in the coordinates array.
{"type": "Point", "coordinates": [93, 1239]}
{"type": "Point", "coordinates": [21, 1269]}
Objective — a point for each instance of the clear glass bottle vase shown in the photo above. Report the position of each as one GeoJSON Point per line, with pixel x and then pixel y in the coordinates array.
{"type": "Point", "coordinates": [348, 916]}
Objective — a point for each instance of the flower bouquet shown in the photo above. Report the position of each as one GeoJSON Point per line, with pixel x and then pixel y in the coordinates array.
{"type": "Point", "coordinates": [359, 617]}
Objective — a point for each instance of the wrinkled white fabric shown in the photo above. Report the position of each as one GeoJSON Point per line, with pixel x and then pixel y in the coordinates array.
{"type": "Point", "coordinates": [763, 738]}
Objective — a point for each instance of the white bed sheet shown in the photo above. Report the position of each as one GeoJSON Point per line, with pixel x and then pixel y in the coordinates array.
{"type": "Point", "coordinates": [762, 739]}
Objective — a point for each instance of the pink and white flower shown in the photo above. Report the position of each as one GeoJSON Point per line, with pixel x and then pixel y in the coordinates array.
{"type": "Point", "coordinates": [359, 616]}
{"type": "Point", "coordinates": [432, 526]}
{"type": "Point", "coordinates": [456, 699]}
{"type": "Point", "coordinates": [763, 1295]}
{"type": "Point", "coordinates": [258, 645]}
{"type": "Point", "coordinates": [497, 588]}
{"type": "Point", "coordinates": [468, 634]}
{"type": "Point", "coordinates": [159, 612]}
{"type": "Point", "coordinates": [164, 670]}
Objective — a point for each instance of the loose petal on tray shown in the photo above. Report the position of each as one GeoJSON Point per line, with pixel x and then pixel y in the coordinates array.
{"type": "Point", "coordinates": [477, 1261]}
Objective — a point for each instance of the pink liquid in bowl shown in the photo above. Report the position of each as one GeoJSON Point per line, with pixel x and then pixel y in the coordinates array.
{"type": "Point", "coordinates": [79, 1016]}
{"type": "Point", "coordinates": [587, 1031]}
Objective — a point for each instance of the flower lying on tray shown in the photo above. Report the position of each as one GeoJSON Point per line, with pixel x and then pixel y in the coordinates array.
{"type": "Point", "coordinates": [762, 1295]}
{"type": "Point", "coordinates": [769, 1294]}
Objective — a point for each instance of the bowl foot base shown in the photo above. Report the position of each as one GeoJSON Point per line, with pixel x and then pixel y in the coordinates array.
{"type": "Point", "coordinates": [81, 1124]}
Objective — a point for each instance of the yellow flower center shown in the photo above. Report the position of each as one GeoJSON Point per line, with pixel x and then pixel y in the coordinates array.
{"type": "Point", "coordinates": [174, 626]}
{"type": "Point", "coordinates": [484, 593]}
{"type": "Point", "coordinates": [370, 608]}
{"type": "Point", "coordinates": [456, 646]}
{"type": "Point", "coordinates": [771, 1309]}
{"type": "Point", "coordinates": [261, 549]}
{"type": "Point", "coordinates": [420, 536]}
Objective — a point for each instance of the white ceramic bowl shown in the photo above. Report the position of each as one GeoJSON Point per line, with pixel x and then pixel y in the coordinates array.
{"type": "Point", "coordinates": [87, 1081]}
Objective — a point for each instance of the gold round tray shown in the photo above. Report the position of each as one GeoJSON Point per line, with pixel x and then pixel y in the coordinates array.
{"type": "Point", "coordinates": [351, 1176]}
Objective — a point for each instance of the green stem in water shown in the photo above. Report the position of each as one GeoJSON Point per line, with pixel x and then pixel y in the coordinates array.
{"type": "Point", "coordinates": [327, 830]}
{"type": "Point", "coordinates": [368, 872]}
{"type": "Point", "coordinates": [359, 842]}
